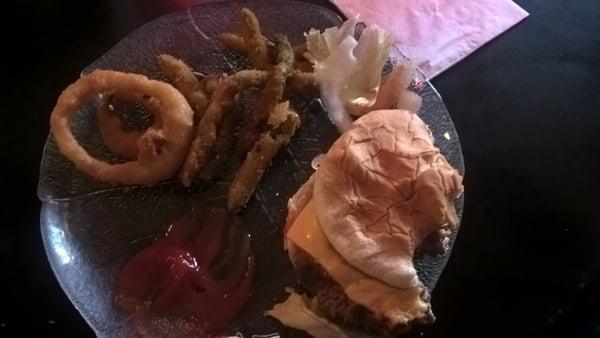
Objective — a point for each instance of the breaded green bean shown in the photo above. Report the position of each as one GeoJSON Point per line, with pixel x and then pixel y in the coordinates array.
{"type": "Point", "coordinates": [210, 83]}
{"type": "Point", "coordinates": [255, 43]}
{"type": "Point", "coordinates": [285, 55]}
{"type": "Point", "coordinates": [234, 42]}
{"type": "Point", "coordinates": [271, 93]}
{"type": "Point", "coordinates": [221, 103]}
{"type": "Point", "coordinates": [237, 43]}
{"type": "Point", "coordinates": [303, 66]}
{"type": "Point", "coordinates": [260, 155]}
{"type": "Point", "coordinates": [182, 78]}
{"type": "Point", "coordinates": [250, 78]}
{"type": "Point", "coordinates": [297, 83]}
{"type": "Point", "coordinates": [223, 143]}
{"type": "Point", "coordinates": [302, 83]}
{"type": "Point", "coordinates": [299, 51]}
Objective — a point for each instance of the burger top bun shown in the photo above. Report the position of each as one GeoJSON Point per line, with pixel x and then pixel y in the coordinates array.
{"type": "Point", "coordinates": [380, 190]}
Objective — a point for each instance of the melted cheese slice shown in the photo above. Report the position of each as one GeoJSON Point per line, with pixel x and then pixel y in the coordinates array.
{"type": "Point", "coordinates": [400, 306]}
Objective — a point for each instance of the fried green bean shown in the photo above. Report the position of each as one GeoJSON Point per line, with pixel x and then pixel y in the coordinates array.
{"type": "Point", "coordinates": [297, 83]}
{"type": "Point", "coordinates": [221, 102]}
{"type": "Point", "coordinates": [302, 83]}
{"type": "Point", "coordinates": [210, 82]}
{"type": "Point", "coordinates": [299, 51]}
{"type": "Point", "coordinates": [234, 42]}
{"type": "Point", "coordinates": [253, 38]}
{"type": "Point", "coordinates": [270, 95]}
{"type": "Point", "coordinates": [182, 78]}
{"type": "Point", "coordinates": [223, 144]}
{"type": "Point", "coordinates": [283, 123]}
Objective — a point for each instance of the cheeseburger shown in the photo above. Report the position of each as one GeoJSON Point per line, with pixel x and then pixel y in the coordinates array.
{"type": "Point", "coordinates": [382, 190]}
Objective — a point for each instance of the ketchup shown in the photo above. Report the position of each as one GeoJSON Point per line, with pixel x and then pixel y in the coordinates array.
{"type": "Point", "coordinates": [192, 281]}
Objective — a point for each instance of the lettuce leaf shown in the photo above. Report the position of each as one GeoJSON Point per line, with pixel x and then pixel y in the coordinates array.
{"type": "Point", "coordinates": [348, 70]}
{"type": "Point", "coordinates": [300, 312]}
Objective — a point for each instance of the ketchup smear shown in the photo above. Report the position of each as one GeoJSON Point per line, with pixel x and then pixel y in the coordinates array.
{"type": "Point", "coordinates": [192, 281]}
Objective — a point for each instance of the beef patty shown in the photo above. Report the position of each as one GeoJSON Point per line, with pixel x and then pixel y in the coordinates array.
{"type": "Point", "coordinates": [335, 304]}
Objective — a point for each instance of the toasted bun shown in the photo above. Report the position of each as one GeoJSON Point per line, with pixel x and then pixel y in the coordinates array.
{"type": "Point", "coordinates": [383, 187]}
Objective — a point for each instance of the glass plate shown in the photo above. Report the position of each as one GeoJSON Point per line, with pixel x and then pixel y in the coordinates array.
{"type": "Point", "coordinates": [91, 228]}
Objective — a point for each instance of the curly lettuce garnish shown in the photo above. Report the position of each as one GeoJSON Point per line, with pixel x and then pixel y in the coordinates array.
{"type": "Point", "coordinates": [349, 72]}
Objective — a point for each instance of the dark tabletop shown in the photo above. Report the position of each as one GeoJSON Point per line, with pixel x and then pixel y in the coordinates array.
{"type": "Point", "coordinates": [526, 107]}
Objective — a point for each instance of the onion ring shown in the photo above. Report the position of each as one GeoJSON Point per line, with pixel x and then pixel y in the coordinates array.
{"type": "Point", "coordinates": [121, 142]}
{"type": "Point", "coordinates": [176, 116]}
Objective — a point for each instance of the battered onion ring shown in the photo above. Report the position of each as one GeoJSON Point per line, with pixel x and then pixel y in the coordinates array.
{"type": "Point", "coordinates": [121, 142]}
{"type": "Point", "coordinates": [176, 116]}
